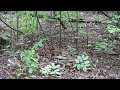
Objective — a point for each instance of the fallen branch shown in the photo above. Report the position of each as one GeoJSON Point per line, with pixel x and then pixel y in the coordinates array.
{"type": "Point", "coordinates": [13, 28]}
{"type": "Point", "coordinates": [106, 15]}
{"type": "Point", "coordinates": [86, 21]}
{"type": "Point", "coordinates": [10, 26]}
{"type": "Point", "coordinates": [80, 20]}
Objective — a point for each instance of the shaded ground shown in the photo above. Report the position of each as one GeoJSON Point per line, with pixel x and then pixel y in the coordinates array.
{"type": "Point", "coordinates": [103, 69]}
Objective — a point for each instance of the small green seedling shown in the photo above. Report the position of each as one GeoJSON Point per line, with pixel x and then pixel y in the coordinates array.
{"type": "Point", "coordinates": [51, 69]}
{"type": "Point", "coordinates": [82, 62]}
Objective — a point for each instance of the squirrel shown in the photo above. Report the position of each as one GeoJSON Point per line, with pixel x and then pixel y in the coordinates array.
{"type": "Point", "coordinates": [47, 50]}
{"type": "Point", "coordinates": [50, 51]}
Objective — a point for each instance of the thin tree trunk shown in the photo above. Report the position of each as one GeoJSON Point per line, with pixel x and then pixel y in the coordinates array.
{"type": "Point", "coordinates": [60, 34]}
{"type": "Point", "coordinates": [17, 28]}
{"type": "Point", "coordinates": [76, 38]}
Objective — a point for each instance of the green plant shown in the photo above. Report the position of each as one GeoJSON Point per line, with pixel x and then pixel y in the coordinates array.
{"type": "Point", "coordinates": [51, 69]}
{"type": "Point", "coordinates": [83, 32]}
{"type": "Point", "coordinates": [5, 36]}
{"type": "Point", "coordinates": [27, 23]}
{"type": "Point", "coordinates": [115, 18]}
{"type": "Point", "coordinates": [38, 44]}
{"type": "Point", "coordinates": [71, 49]}
{"type": "Point", "coordinates": [82, 62]}
{"type": "Point", "coordinates": [100, 46]}
{"type": "Point", "coordinates": [19, 72]}
{"type": "Point", "coordinates": [112, 29]}
{"type": "Point", "coordinates": [105, 45]}
{"type": "Point", "coordinates": [30, 59]}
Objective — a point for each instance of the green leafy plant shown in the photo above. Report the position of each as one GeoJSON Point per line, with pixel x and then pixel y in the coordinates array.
{"type": "Point", "coordinates": [71, 49]}
{"type": "Point", "coordinates": [112, 29]}
{"type": "Point", "coordinates": [105, 45]}
{"type": "Point", "coordinates": [27, 23]}
{"type": "Point", "coordinates": [83, 32]}
{"type": "Point", "coordinates": [19, 72]}
{"type": "Point", "coordinates": [115, 18]}
{"type": "Point", "coordinates": [6, 37]}
{"type": "Point", "coordinates": [30, 59]}
{"type": "Point", "coordinates": [82, 62]}
{"type": "Point", "coordinates": [100, 46]}
{"type": "Point", "coordinates": [51, 69]}
{"type": "Point", "coordinates": [38, 44]}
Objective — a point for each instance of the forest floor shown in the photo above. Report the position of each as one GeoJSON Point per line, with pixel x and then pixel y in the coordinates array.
{"type": "Point", "coordinates": [103, 65]}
